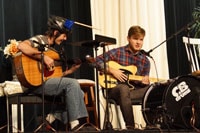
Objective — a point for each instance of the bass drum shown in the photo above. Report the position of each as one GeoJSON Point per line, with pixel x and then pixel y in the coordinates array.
{"type": "Point", "coordinates": [173, 104]}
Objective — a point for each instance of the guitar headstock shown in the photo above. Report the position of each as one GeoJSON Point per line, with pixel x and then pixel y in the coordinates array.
{"type": "Point", "coordinates": [89, 59]}
{"type": "Point", "coordinates": [77, 61]}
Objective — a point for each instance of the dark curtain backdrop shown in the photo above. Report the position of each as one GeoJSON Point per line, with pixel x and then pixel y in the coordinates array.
{"type": "Point", "coordinates": [178, 14]}
{"type": "Point", "coordinates": [21, 19]}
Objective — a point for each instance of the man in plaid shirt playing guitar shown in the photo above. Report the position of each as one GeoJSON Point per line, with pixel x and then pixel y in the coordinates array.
{"type": "Point", "coordinates": [125, 56]}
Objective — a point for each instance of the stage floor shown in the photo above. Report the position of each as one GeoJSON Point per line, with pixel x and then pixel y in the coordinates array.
{"type": "Point", "coordinates": [136, 131]}
{"type": "Point", "coordinates": [93, 130]}
{"type": "Point", "coordinates": [142, 131]}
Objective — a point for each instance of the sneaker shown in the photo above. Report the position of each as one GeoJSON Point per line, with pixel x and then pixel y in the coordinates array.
{"type": "Point", "coordinates": [130, 127]}
{"type": "Point", "coordinates": [77, 128]}
{"type": "Point", "coordinates": [50, 118]}
{"type": "Point", "coordinates": [87, 127]}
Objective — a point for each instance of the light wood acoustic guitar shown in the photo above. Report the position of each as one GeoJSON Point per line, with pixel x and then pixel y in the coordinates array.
{"type": "Point", "coordinates": [29, 71]}
{"type": "Point", "coordinates": [128, 70]}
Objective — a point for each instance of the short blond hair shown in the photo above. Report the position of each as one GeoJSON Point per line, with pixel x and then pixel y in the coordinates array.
{"type": "Point", "coordinates": [136, 31]}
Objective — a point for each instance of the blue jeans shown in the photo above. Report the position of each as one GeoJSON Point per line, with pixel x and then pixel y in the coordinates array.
{"type": "Point", "coordinates": [74, 97]}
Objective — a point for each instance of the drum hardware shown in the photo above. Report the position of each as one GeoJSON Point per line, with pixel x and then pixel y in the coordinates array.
{"type": "Point", "coordinates": [161, 118]}
{"type": "Point", "coordinates": [186, 111]}
{"type": "Point", "coordinates": [193, 118]}
{"type": "Point", "coordinates": [192, 113]}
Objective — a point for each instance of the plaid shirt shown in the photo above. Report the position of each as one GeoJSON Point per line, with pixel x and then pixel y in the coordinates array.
{"type": "Point", "coordinates": [125, 57]}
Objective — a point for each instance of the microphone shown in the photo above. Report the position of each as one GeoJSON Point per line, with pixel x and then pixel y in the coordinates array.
{"type": "Point", "coordinates": [146, 53]}
{"type": "Point", "coordinates": [40, 44]}
{"type": "Point", "coordinates": [41, 47]}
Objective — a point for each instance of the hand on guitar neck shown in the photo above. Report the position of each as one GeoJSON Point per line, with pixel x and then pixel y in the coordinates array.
{"type": "Point", "coordinates": [73, 64]}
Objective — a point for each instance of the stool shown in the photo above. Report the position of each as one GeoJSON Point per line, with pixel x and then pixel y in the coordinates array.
{"type": "Point", "coordinates": [89, 97]}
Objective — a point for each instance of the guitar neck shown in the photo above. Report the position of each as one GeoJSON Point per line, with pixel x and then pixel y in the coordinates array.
{"type": "Point", "coordinates": [58, 63]}
{"type": "Point", "coordinates": [139, 78]}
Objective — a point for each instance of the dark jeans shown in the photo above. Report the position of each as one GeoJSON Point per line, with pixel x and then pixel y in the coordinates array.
{"type": "Point", "coordinates": [123, 96]}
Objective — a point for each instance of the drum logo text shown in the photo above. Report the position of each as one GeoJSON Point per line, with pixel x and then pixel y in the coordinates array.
{"type": "Point", "coordinates": [181, 90]}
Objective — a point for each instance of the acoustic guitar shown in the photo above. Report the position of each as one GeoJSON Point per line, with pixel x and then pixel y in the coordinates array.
{"type": "Point", "coordinates": [128, 70]}
{"type": "Point", "coordinates": [29, 71]}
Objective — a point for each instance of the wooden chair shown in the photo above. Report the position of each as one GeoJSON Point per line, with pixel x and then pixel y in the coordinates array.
{"type": "Point", "coordinates": [192, 46]}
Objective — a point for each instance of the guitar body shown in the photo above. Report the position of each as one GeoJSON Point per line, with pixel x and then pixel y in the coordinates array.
{"type": "Point", "coordinates": [29, 71]}
{"type": "Point", "coordinates": [128, 70]}
{"type": "Point", "coordinates": [111, 81]}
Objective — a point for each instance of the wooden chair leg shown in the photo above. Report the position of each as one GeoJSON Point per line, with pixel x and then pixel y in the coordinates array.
{"type": "Point", "coordinates": [92, 107]}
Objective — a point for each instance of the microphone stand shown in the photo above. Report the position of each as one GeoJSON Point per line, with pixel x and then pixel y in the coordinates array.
{"type": "Point", "coordinates": [42, 49]}
{"type": "Point", "coordinates": [108, 125]}
{"type": "Point", "coordinates": [97, 88]}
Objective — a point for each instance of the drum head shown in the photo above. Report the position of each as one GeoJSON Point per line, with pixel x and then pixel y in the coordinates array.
{"type": "Point", "coordinates": [178, 100]}
{"type": "Point", "coordinates": [152, 103]}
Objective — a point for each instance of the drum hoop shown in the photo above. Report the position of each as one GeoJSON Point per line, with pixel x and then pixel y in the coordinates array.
{"type": "Point", "coordinates": [144, 102]}
{"type": "Point", "coordinates": [147, 95]}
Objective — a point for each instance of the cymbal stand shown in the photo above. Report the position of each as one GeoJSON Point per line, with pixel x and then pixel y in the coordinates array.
{"type": "Point", "coordinates": [41, 48]}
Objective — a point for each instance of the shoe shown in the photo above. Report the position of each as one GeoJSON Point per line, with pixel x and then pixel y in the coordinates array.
{"type": "Point", "coordinates": [50, 118]}
{"type": "Point", "coordinates": [87, 127]}
{"type": "Point", "coordinates": [77, 128]}
{"type": "Point", "coordinates": [130, 127]}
